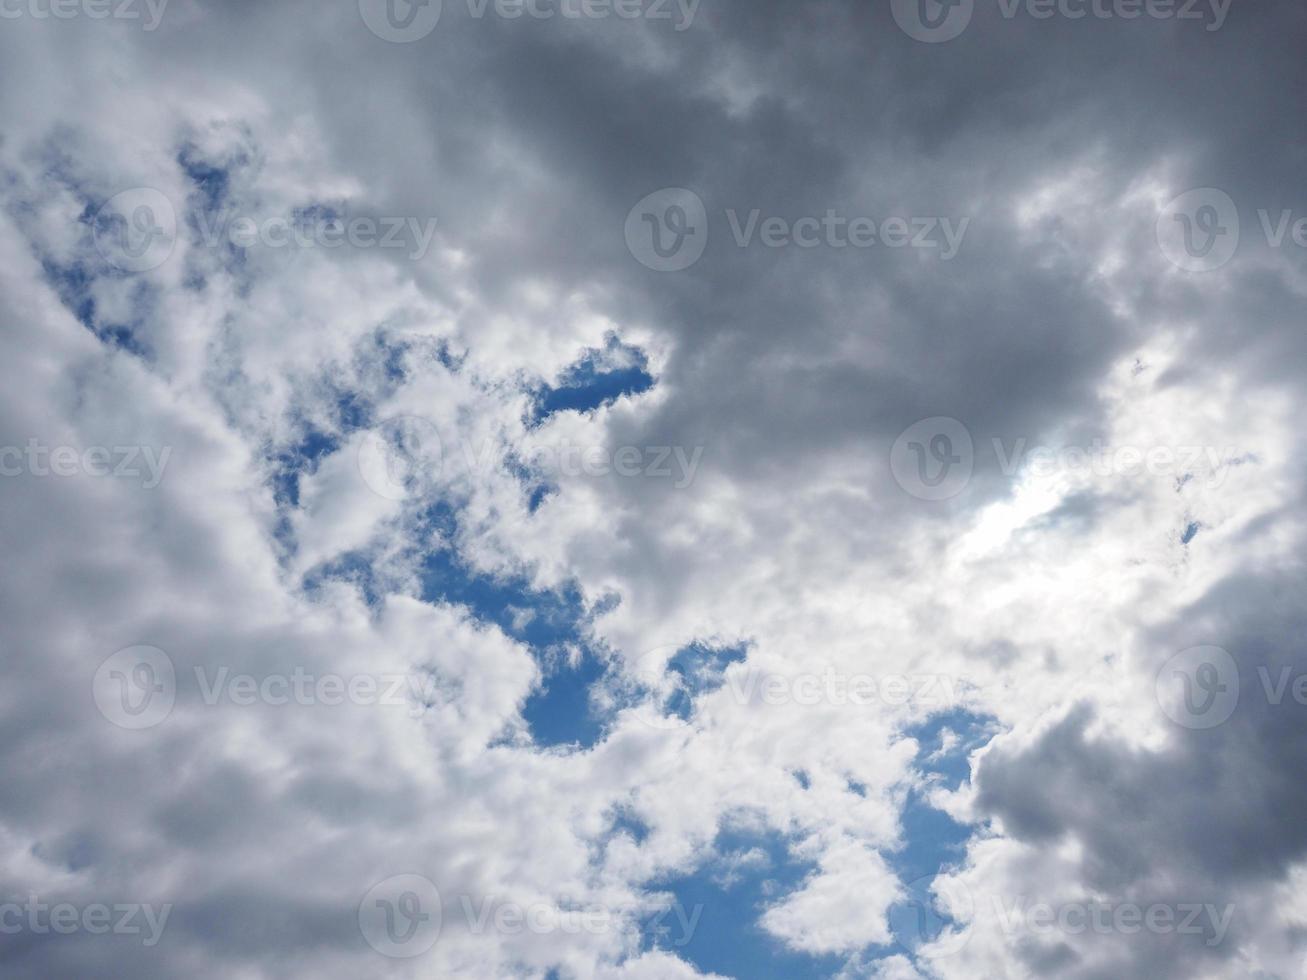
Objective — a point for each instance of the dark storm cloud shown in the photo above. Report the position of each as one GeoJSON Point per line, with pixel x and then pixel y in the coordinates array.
{"type": "Point", "coordinates": [1213, 815]}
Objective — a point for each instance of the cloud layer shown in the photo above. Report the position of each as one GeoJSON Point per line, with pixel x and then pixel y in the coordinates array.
{"type": "Point", "coordinates": [507, 493]}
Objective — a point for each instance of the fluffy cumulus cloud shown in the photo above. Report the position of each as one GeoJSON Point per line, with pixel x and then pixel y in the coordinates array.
{"type": "Point", "coordinates": [640, 491]}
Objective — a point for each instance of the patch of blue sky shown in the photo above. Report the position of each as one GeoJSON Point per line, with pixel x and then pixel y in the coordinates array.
{"type": "Point", "coordinates": [537, 495]}
{"type": "Point", "coordinates": [692, 671]}
{"type": "Point", "coordinates": [300, 458]}
{"type": "Point", "coordinates": [393, 358]}
{"type": "Point", "coordinates": [75, 280]}
{"type": "Point", "coordinates": [554, 624]}
{"type": "Point", "coordinates": [347, 412]}
{"type": "Point", "coordinates": [699, 668]}
{"type": "Point", "coordinates": [599, 377]}
{"type": "Point", "coordinates": [354, 568]}
{"type": "Point", "coordinates": [212, 181]}
{"type": "Point", "coordinates": [536, 487]}
{"type": "Point", "coordinates": [714, 920]}
{"type": "Point", "coordinates": [946, 741]}
{"type": "Point", "coordinates": [211, 220]}
{"type": "Point", "coordinates": [561, 713]}
{"type": "Point", "coordinates": [74, 284]}
{"type": "Point", "coordinates": [206, 216]}
{"type": "Point", "coordinates": [933, 841]}
{"type": "Point", "coordinates": [626, 821]}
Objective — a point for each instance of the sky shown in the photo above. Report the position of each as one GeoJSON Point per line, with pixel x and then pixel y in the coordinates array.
{"type": "Point", "coordinates": [653, 489]}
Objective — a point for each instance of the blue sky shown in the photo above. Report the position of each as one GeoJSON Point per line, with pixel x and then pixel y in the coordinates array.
{"type": "Point", "coordinates": [713, 919]}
